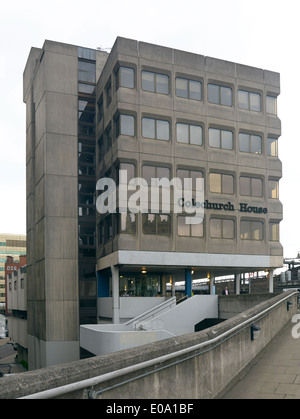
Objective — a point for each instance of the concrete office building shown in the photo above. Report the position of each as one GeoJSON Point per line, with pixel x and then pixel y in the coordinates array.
{"type": "Point", "coordinates": [169, 113]}
{"type": "Point", "coordinates": [155, 112]}
{"type": "Point", "coordinates": [59, 80]}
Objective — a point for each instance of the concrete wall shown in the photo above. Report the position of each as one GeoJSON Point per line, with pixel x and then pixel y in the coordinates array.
{"type": "Point", "coordinates": [129, 306]}
{"type": "Point", "coordinates": [50, 94]}
{"type": "Point", "coordinates": [182, 318]}
{"type": "Point", "coordinates": [231, 305]}
{"type": "Point", "coordinates": [205, 375]}
{"type": "Point", "coordinates": [107, 339]}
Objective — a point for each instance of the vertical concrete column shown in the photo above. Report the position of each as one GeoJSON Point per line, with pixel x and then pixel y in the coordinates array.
{"type": "Point", "coordinates": [115, 294]}
{"type": "Point", "coordinates": [238, 283]}
{"type": "Point", "coordinates": [211, 285]}
{"type": "Point", "coordinates": [163, 285]}
{"type": "Point", "coordinates": [172, 277]}
{"type": "Point", "coordinates": [188, 282]}
{"type": "Point", "coordinates": [271, 285]}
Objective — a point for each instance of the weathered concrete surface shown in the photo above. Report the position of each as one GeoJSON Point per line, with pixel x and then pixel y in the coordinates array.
{"type": "Point", "coordinates": [231, 305]}
{"type": "Point", "coordinates": [203, 376]}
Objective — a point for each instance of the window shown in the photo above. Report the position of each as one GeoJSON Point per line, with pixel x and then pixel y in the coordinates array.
{"type": "Point", "coordinates": [152, 172]}
{"type": "Point", "coordinates": [189, 174]}
{"type": "Point", "coordinates": [108, 93]}
{"type": "Point", "coordinates": [273, 189]}
{"type": "Point", "coordinates": [220, 183]}
{"type": "Point", "coordinates": [86, 235]}
{"type": "Point", "coordinates": [86, 111]}
{"type": "Point", "coordinates": [189, 134]}
{"type": "Point", "coordinates": [272, 147]}
{"type": "Point", "coordinates": [155, 128]}
{"type": "Point", "coordinates": [221, 228]}
{"type": "Point", "coordinates": [89, 89]}
{"type": "Point", "coordinates": [250, 186]}
{"type": "Point", "coordinates": [100, 109]}
{"type": "Point", "coordinates": [221, 95]}
{"type": "Point", "coordinates": [251, 230]}
{"type": "Point", "coordinates": [274, 231]}
{"type": "Point", "coordinates": [140, 285]}
{"type": "Point", "coordinates": [125, 77]}
{"type": "Point", "coordinates": [155, 82]}
{"type": "Point", "coordinates": [189, 89]}
{"type": "Point", "coordinates": [159, 224]}
{"type": "Point", "coordinates": [86, 53]}
{"type": "Point", "coordinates": [86, 72]}
{"type": "Point", "coordinates": [249, 100]}
{"type": "Point", "coordinates": [125, 125]}
{"type": "Point", "coordinates": [250, 143]}
{"type": "Point", "coordinates": [188, 230]}
{"type": "Point", "coordinates": [271, 105]}
{"type": "Point", "coordinates": [219, 138]}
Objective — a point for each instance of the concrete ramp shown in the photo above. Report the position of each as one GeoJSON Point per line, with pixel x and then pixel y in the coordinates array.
{"type": "Point", "coordinates": [165, 321]}
{"type": "Point", "coordinates": [182, 318]}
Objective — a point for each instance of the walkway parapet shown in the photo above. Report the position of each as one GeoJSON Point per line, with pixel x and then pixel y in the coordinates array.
{"type": "Point", "coordinates": [199, 365]}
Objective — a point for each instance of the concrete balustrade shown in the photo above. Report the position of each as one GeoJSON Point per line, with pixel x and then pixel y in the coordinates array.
{"type": "Point", "coordinates": [193, 366]}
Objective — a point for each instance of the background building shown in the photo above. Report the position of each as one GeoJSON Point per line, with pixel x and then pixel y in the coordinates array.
{"type": "Point", "coordinates": [10, 245]}
{"type": "Point", "coordinates": [154, 112]}
{"type": "Point", "coordinates": [16, 283]}
{"type": "Point", "coordinates": [12, 266]}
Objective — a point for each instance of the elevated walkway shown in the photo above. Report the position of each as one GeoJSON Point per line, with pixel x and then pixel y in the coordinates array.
{"type": "Point", "coordinates": [275, 373]}
{"type": "Point", "coordinates": [201, 365]}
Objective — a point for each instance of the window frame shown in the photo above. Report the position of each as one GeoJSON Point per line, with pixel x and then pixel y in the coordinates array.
{"type": "Point", "coordinates": [252, 230]}
{"type": "Point", "coordinates": [222, 230]}
{"type": "Point", "coordinates": [271, 189]}
{"type": "Point", "coordinates": [221, 183]}
{"type": "Point", "coordinates": [251, 178]}
{"type": "Point", "coordinates": [220, 131]}
{"type": "Point", "coordinates": [118, 125]}
{"type": "Point", "coordinates": [277, 232]}
{"type": "Point", "coordinates": [189, 135]}
{"type": "Point", "coordinates": [249, 96]}
{"type": "Point", "coordinates": [156, 88]}
{"type": "Point", "coordinates": [188, 89]}
{"type": "Point", "coordinates": [250, 143]}
{"type": "Point", "coordinates": [118, 77]}
{"type": "Point", "coordinates": [220, 94]}
{"type": "Point", "coordinates": [190, 227]}
{"type": "Point", "coordinates": [272, 105]}
{"type": "Point", "coordinates": [157, 224]}
{"type": "Point", "coordinates": [269, 146]}
{"type": "Point", "coordinates": [156, 128]}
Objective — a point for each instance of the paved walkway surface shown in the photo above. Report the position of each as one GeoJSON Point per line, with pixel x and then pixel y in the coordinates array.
{"type": "Point", "coordinates": [276, 373]}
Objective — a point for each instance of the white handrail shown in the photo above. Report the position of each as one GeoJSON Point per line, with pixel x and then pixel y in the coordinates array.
{"type": "Point", "coordinates": [152, 311]}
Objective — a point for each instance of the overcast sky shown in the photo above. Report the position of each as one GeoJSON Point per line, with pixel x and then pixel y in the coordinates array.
{"type": "Point", "coordinates": [259, 33]}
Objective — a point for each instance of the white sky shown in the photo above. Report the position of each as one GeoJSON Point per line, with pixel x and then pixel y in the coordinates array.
{"type": "Point", "coordinates": [259, 33]}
